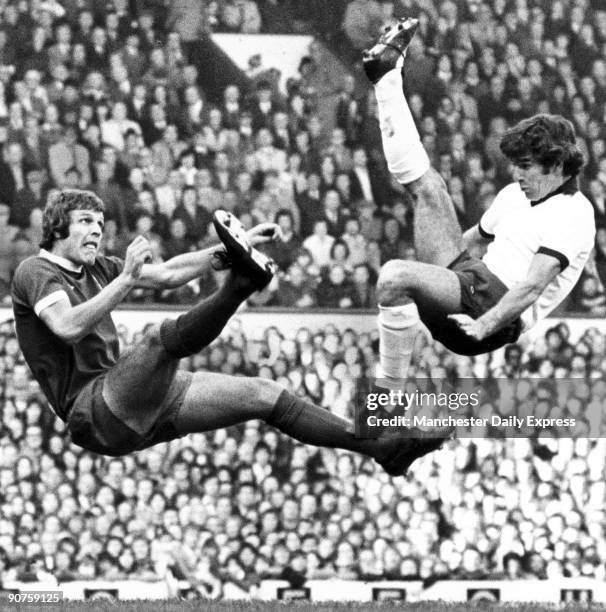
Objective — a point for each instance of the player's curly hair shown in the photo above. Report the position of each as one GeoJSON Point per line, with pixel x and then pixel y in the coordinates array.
{"type": "Point", "coordinates": [56, 218]}
{"type": "Point", "coordinates": [548, 140]}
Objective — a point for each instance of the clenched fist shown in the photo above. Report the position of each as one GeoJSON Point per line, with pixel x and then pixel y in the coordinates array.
{"type": "Point", "coordinates": [138, 252]}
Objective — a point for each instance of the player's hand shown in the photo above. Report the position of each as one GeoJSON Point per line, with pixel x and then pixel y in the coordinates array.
{"type": "Point", "coordinates": [138, 253]}
{"type": "Point", "coordinates": [474, 328]}
{"type": "Point", "coordinates": [263, 233]}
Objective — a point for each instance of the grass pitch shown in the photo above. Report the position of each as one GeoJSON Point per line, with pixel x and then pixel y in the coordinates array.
{"type": "Point", "coordinates": [295, 606]}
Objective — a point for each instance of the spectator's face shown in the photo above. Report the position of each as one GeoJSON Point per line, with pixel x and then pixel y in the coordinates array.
{"type": "Point", "coordinates": [246, 496]}
{"type": "Point", "coordinates": [119, 111]}
{"type": "Point", "coordinates": [215, 119]}
{"type": "Point", "coordinates": [203, 178]}
{"type": "Point", "coordinates": [409, 567]}
{"type": "Point", "coordinates": [232, 94]}
{"type": "Point", "coordinates": [50, 503]}
{"type": "Point", "coordinates": [86, 484]}
{"type": "Point", "coordinates": [79, 58]}
{"type": "Point", "coordinates": [126, 561]}
{"type": "Point", "coordinates": [320, 229]}
{"type": "Point", "coordinates": [14, 153]}
{"type": "Point", "coordinates": [244, 181]}
{"type": "Point", "coordinates": [64, 34]}
{"type": "Point", "coordinates": [190, 75]}
{"type": "Point", "coordinates": [326, 548]}
{"type": "Point", "coordinates": [104, 173]}
{"type": "Point", "coordinates": [72, 180]}
{"type": "Point", "coordinates": [136, 178]}
{"type": "Point", "coordinates": [177, 229]}
{"type": "Point", "coordinates": [264, 138]}
{"type": "Point", "coordinates": [170, 133]}
{"type": "Point", "coordinates": [285, 223]}
{"type": "Point", "coordinates": [264, 95]}
{"type": "Point", "coordinates": [85, 20]}
{"type": "Point", "coordinates": [140, 549]}
{"type": "Point", "coordinates": [52, 525]}
{"type": "Point", "coordinates": [222, 162]}
{"type": "Point", "coordinates": [111, 22]}
{"type": "Point", "coordinates": [290, 511]}
{"type": "Point", "coordinates": [99, 37]}
{"type": "Point", "coordinates": [280, 121]}
{"type": "Point", "coordinates": [332, 201]}
{"type": "Point", "coordinates": [392, 230]}
{"type": "Point", "coordinates": [359, 158]}
{"type": "Point", "coordinates": [191, 95]}
{"type": "Point", "coordinates": [180, 472]}
{"type": "Point", "coordinates": [146, 202]}
{"type": "Point", "coordinates": [33, 437]}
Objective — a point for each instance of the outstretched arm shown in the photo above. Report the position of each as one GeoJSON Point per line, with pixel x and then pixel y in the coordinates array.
{"type": "Point", "coordinates": [186, 267]}
{"type": "Point", "coordinates": [543, 269]}
{"type": "Point", "coordinates": [176, 271]}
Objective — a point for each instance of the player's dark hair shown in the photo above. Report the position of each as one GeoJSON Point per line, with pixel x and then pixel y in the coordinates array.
{"type": "Point", "coordinates": [548, 140]}
{"type": "Point", "coordinates": [56, 218]}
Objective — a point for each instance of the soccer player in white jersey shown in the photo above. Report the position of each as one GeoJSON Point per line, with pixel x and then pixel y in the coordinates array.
{"type": "Point", "coordinates": [539, 230]}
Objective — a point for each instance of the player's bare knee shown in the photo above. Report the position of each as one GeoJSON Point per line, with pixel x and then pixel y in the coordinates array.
{"type": "Point", "coordinates": [151, 341]}
{"type": "Point", "coordinates": [263, 393]}
{"type": "Point", "coordinates": [394, 283]}
{"type": "Point", "coordinates": [428, 187]}
{"type": "Point", "coordinates": [151, 336]}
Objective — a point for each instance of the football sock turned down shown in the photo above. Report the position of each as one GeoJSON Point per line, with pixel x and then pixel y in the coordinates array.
{"type": "Point", "coordinates": [317, 426]}
{"type": "Point", "coordinates": [406, 157]}
{"type": "Point", "coordinates": [398, 329]}
{"type": "Point", "coordinates": [197, 328]}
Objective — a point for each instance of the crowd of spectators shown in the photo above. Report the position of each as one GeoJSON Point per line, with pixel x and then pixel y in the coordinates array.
{"type": "Point", "coordinates": [107, 96]}
{"type": "Point", "coordinates": [229, 508]}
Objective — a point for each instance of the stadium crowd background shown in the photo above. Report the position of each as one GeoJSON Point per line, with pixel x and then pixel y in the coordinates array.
{"type": "Point", "coordinates": [106, 96]}
{"type": "Point", "coordinates": [243, 504]}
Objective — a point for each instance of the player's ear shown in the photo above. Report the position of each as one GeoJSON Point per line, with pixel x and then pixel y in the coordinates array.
{"type": "Point", "coordinates": [555, 168]}
{"type": "Point", "coordinates": [558, 168]}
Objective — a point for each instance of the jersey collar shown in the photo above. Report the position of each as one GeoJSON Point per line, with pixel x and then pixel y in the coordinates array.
{"type": "Point", "coordinates": [60, 261]}
{"type": "Point", "coordinates": [569, 187]}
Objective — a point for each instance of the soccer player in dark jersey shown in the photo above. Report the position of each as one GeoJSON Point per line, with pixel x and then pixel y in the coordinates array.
{"type": "Point", "coordinates": [115, 403]}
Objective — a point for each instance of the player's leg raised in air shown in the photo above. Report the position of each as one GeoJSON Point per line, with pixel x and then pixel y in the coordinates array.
{"type": "Point", "coordinates": [145, 399]}
{"type": "Point", "coordinates": [428, 288]}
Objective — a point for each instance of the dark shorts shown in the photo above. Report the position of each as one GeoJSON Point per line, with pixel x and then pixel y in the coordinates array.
{"type": "Point", "coordinates": [480, 291]}
{"type": "Point", "coordinates": [96, 428]}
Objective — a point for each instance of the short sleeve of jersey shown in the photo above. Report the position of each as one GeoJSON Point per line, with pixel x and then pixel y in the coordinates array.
{"type": "Point", "coordinates": [500, 206]}
{"type": "Point", "coordinates": [572, 233]}
{"type": "Point", "coordinates": [37, 284]}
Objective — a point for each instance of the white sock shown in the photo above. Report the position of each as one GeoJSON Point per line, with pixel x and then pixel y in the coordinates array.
{"type": "Point", "coordinates": [406, 158]}
{"type": "Point", "coordinates": [398, 329]}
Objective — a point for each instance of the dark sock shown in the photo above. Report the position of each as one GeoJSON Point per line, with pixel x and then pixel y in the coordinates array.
{"type": "Point", "coordinates": [197, 328]}
{"type": "Point", "coordinates": [314, 425]}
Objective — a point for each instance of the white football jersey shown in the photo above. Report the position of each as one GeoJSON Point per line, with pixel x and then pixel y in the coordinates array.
{"type": "Point", "coordinates": [561, 225]}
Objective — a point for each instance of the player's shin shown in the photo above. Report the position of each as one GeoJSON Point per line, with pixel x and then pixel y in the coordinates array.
{"type": "Point", "coordinates": [398, 329]}
{"type": "Point", "coordinates": [198, 327]}
{"type": "Point", "coordinates": [406, 157]}
{"type": "Point", "coordinates": [317, 426]}
{"type": "Point", "coordinates": [311, 424]}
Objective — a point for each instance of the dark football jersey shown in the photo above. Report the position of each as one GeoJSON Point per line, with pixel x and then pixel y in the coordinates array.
{"type": "Point", "coordinates": [63, 369]}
